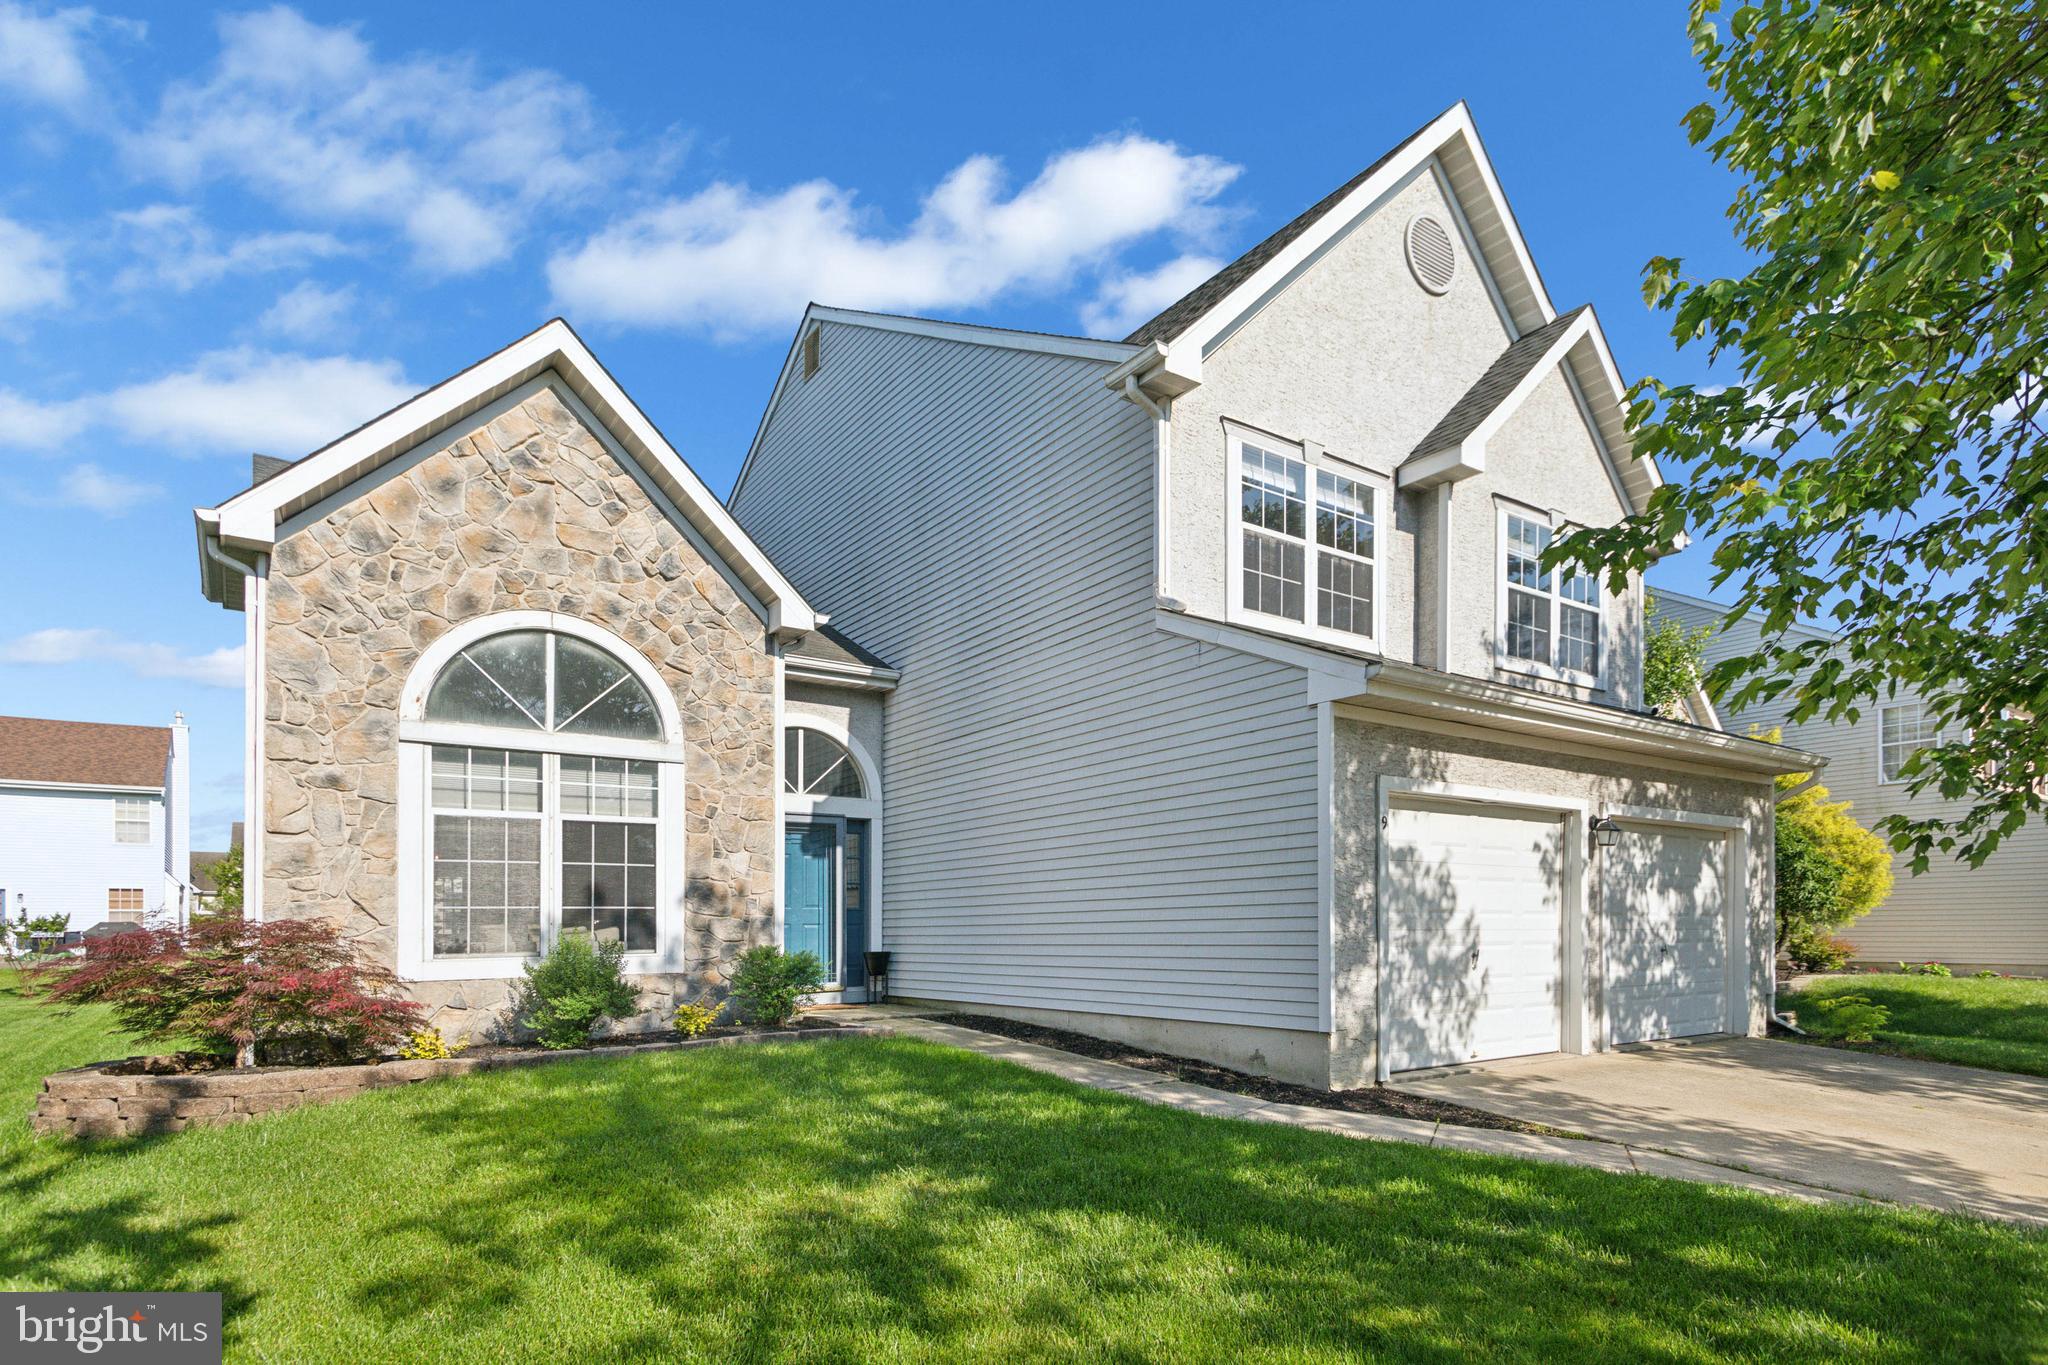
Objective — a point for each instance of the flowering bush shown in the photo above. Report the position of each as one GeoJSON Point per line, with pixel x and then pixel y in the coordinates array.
{"type": "Point", "coordinates": [284, 990]}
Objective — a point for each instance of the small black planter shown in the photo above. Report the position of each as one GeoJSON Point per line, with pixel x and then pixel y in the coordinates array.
{"type": "Point", "coordinates": [877, 965]}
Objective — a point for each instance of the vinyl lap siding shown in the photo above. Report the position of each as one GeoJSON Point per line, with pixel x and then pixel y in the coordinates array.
{"type": "Point", "coordinates": [1082, 812]}
{"type": "Point", "coordinates": [1994, 915]}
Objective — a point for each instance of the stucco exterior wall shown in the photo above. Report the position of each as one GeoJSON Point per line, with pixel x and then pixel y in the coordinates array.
{"type": "Point", "coordinates": [1367, 749]}
{"type": "Point", "coordinates": [529, 512]}
{"type": "Point", "coordinates": [1357, 358]}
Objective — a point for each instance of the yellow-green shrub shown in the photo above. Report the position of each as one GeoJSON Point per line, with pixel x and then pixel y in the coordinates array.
{"type": "Point", "coordinates": [428, 1045]}
{"type": "Point", "coordinates": [694, 1021]}
{"type": "Point", "coordinates": [1858, 862]}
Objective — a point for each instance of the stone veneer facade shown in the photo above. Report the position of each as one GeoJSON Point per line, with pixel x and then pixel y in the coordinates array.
{"type": "Point", "coordinates": [528, 512]}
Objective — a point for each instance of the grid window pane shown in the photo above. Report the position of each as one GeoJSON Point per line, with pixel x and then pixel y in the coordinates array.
{"type": "Point", "coordinates": [1528, 626]}
{"type": "Point", "coordinates": [1904, 729]}
{"type": "Point", "coordinates": [608, 786]}
{"type": "Point", "coordinates": [1273, 491]}
{"type": "Point", "coordinates": [1273, 574]}
{"type": "Point", "coordinates": [131, 820]}
{"type": "Point", "coordinates": [1344, 515]}
{"type": "Point", "coordinates": [608, 882]}
{"type": "Point", "coordinates": [486, 885]}
{"type": "Point", "coordinates": [1344, 594]}
{"type": "Point", "coordinates": [1527, 541]}
{"type": "Point", "coordinates": [1578, 639]}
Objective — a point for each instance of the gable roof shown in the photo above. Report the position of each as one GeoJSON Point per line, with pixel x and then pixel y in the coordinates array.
{"type": "Point", "coordinates": [250, 520]}
{"type": "Point", "coordinates": [1185, 311]}
{"type": "Point", "coordinates": [80, 753]}
{"type": "Point", "coordinates": [1491, 389]}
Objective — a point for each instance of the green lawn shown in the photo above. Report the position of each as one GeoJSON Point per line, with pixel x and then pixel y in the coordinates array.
{"type": "Point", "coordinates": [2001, 1024]}
{"type": "Point", "coordinates": [892, 1199]}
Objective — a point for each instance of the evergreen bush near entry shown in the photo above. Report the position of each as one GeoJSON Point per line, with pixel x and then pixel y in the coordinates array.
{"type": "Point", "coordinates": [771, 984]}
{"type": "Point", "coordinates": [574, 989]}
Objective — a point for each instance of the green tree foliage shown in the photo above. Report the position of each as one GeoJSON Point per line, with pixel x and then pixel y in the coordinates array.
{"type": "Point", "coordinates": [1881, 461]}
{"type": "Point", "coordinates": [1674, 658]}
{"type": "Point", "coordinates": [227, 881]}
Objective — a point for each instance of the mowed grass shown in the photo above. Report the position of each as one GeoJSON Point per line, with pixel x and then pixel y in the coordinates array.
{"type": "Point", "coordinates": [2001, 1023]}
{"type": "Point", "coordinates": [888, 1199]}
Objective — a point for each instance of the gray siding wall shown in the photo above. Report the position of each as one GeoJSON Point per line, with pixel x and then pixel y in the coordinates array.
{"type": "Point", "coordinates": [1995, 915]}
{"type": "Point", "coordinates": [1084, 813]}
{"type": "Point", "coordinates": [1357, 357]}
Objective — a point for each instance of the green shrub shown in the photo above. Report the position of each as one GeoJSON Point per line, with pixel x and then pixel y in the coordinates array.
{"type": "Point", "coordinates": [572, 990]}
{"type": "Point", "coordinates": [1813, 950]}
{"type": "Point", "coordinates": [694, 1021]}
{"type": "Point", "coordinates": [1925, 969]}
{"type": "Point", "coordinates": [1809, 888]}
{"type": "Point", "coordinates": [1853, 1018]}
{"type": "Point", "coordinates": [771, 984]}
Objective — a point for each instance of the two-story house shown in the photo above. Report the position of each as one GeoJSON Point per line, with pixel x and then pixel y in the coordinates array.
{"type": "Point", "coordinates": [1208, 692]}
{"type": "Point", "coordinates": [1993, 916]}
{"type": "Point", "coordinates": [95, 821]}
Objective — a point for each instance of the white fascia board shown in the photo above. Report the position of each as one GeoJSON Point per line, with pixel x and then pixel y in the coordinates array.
{"type": "Point", "coordinates": [25, 784]}
{"type": "Point", "coordinates": [966, 333]}
{"type": "Point", "coordinates": [1454, 140]}
{"type": "Point", "coordinates": [1599, 382]}
{"type": "Point", "coordinates": [250, 519]}
{"type": "Point", "coordinates": [1538, 715]}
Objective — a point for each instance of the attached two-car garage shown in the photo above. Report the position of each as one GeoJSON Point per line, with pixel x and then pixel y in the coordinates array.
{"type": "Point", "coordinates": [1496, 942]}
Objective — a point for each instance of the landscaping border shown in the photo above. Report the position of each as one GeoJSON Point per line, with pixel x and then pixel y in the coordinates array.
{"type": "Point", "coordinates": [89, 1102]}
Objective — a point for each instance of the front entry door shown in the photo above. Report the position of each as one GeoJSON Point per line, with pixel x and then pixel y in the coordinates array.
{"type": "Point", "coordinates": [824, 895]}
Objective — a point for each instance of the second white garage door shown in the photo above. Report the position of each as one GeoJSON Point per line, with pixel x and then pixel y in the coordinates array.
{"type": "Point", "coordinates": [1665, 895]}
{"type": "Point", "coordinates": [1475, 933]}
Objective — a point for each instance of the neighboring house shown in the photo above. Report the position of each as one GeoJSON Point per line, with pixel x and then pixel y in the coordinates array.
{"type": "Point", "coordinates": [95, 821]}
{"type": "Point", "coordinates": [1207, 692]}
{"type": "Point", "coordinates": [205, 892]}
{"type": "Point", "coordinates": [1992, 916]}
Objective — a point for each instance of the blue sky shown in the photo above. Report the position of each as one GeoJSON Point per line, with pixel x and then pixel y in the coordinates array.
{"type": "Point", "coordinates": [246, 229]}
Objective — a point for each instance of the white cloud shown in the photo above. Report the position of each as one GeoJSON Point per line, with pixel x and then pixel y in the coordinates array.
{"type": "Point", "coordinates": [235, 400]}
{"type": "Point", "coordinates": [730, 261]}
{"type": "Point", "coordinates": [309, 116]}
{"type": "Point", "coordinates": [89, 486]}
{"type": "Point", "coordinates": [31, 269]}
{"type": "Point", "coordinates": [43, 57]}
{"type": "Point", "coordinates": [244, 399]}
{"type": "Point", "coordinates": [182, 252]}
{"type": "Point", "coordinates": [58, 645]}
{"type": "Point", "coordinates": [1124, 301]}
{"type": "Point", "coordinates": [309, 312]}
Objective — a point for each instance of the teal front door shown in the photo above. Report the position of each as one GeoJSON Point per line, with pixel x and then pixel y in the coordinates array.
{"type": "Point", "coordinates": [810, 895]}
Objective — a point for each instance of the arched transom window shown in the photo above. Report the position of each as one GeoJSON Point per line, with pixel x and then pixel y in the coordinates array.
{"type": "Point", "coordinates": [554, 824]}
{"type": "Point", "coordinates": [815, 764]}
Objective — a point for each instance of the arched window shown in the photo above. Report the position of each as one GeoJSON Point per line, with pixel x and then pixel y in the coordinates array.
{"type": "Point", "coordinates": [815, 764]}
{"type": "Point", "coordinates": [554, 824]}
{"type": "Point", "coordinates": [543, 680]}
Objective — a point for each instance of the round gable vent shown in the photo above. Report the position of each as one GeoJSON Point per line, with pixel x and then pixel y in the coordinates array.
{"type": "Point", "coordinates": [1431, 257]}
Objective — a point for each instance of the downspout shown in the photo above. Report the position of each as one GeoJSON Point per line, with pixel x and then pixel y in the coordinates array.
{"type": "Point", "coordinates": [1162, 491]}
{"type": "Point", "coordinates": [253, 607]}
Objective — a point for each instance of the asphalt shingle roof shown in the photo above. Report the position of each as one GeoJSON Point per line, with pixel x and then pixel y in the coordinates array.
{"type": "Point", "coordinates": [83, 753]}
{"type": "Point", "coordinates": [1497, 383]}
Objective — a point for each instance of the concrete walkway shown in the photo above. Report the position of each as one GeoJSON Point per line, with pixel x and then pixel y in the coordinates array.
{"type": "Point", "coordinates": [1947, 1137]}
{"type": "Point", "coordinates": [1617, 1157]}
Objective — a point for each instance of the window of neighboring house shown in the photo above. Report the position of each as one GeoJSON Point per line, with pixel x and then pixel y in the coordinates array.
{"type": "Point", "coordinates": [564, 837]}
{"type": "Point", "coordinates": [1306, 543]}
{"type": "Point", "coordinates": [1903, 729]}
{"type": "Point", "coordinates": [1550, 618]}
{"type": "Point", "coordinates": [131, 820]}
{"type": "Point", "coordinates": [124, 904]}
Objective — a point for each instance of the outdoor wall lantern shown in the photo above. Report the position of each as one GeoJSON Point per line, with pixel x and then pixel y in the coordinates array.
{"type": "Point", "coordinates": [1606, 834]}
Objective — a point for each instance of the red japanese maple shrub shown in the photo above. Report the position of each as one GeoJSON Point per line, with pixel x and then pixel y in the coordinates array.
{"type": "Point", "coordinates": [284, 990]}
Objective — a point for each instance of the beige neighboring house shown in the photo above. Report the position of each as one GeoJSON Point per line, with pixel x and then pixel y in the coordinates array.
{"type": "Point", "coordinates": [1201, 688]}
{"type": "Point", "coordinates": [1993, 916]}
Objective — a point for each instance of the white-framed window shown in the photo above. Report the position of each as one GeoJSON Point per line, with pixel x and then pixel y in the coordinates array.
{"type": "Point", "coordinates": [124, 905]}
{"type": "Point", "coordinates": [1903, 729]}
{"type": "Point", "coordinates": [1305, 542]}
{"type": "Point", "coordinates": [545, 768]}
{"type": "Point", "coordinates": [816, 764]}
{"type": "Point", "coordinates": [1550, 620]}
{"type": "Point", "coordinates": [131, 819]}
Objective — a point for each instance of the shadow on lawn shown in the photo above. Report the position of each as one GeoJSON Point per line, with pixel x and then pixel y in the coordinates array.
{"type": "Point", "coordinates": [903, 1198]}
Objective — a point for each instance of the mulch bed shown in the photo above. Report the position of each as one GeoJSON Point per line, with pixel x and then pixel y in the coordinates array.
{"type": "Point", "coordinates": [1377, 1099]}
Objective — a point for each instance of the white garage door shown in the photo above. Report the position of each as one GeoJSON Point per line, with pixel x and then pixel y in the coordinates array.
{"type": "Point", "coordinates": [1666, 898]}
{"type": "Point", "coordinates": [1475, 934]}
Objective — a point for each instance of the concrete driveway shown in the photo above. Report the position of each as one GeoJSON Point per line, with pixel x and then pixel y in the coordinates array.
{"type": "Point", "coordinates": [1947, 1137]}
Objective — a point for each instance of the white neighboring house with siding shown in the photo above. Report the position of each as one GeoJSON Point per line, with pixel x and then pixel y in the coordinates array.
{"type": "Point", "coordinates": [95, 821]}
{"type": "Point", "coordinates": [1991, 916]}
{"type": "Point", "coordinates": [1234, 713]}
